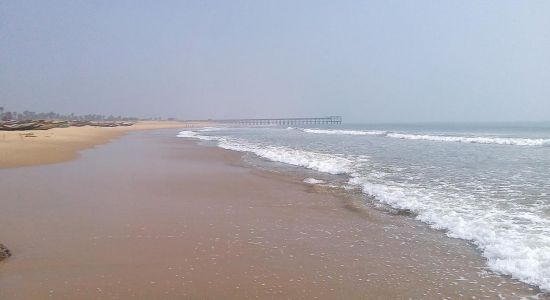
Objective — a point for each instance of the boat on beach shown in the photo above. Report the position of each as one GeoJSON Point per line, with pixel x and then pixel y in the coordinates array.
{"type": "Point", "coordinates": [14, 125]}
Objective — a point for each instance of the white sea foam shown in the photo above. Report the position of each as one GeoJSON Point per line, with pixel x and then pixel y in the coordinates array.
{"type": "Point", "coordinates": [439, 138]}
{"type": "Point", "coordinates": [515, 242]}
{"type": "Point", "coordinates": [313, 181]}
{"type": "Point", "coordinates": [187, 134]}
{"type": "Point", "coordinates": [207, 129]}
{"type": "Point", "coordinates": [345, 132]}
{"type": "Point", "coordinates": [193, 134]}
{"type": "Point", "coordinates": [322, 162]}
{"type": "Point", "coordinates": [326, 163]}
{"type": "Point", "coordinates": [472, 139]}
{"type": "Point", "coordinates": [511, 244]}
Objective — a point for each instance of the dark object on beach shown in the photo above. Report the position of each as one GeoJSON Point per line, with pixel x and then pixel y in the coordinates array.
{"type": "Point", "coordinates": [31, 125]}
{"type": "Point", "coordinates": [14, 125]}
{"type": "Point", "coordinates": [110, 124]}
{"type": "Point", "coordinates": [4, 252]}
{"type": "Point", "coordinates": [79, 123]}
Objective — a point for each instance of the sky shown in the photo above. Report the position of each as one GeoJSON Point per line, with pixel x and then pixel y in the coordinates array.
{"type": "Point", "coordinates": [368, 61]}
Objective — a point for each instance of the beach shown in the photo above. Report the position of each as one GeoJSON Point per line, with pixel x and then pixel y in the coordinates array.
{"type": "Point", "coordinates": [36, 147]}
{"type": "Point", "coordinates": [149, 216]}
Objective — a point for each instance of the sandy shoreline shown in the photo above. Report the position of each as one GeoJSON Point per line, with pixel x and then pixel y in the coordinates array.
{"type": "Point", "coordinates": [172, 219]}
{"type": "Point", "coordinates": [37, 147]}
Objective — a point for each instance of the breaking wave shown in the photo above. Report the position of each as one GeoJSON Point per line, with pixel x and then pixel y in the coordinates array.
{"type": "Point", "coordinates": [439, 138]}
{"type": "Point", "coordinates": [515, 242]}
{"type": "Point", "coordinates": [322, 162]}
{"type": "Point", "coordinates": [346, 132]}
{"type": "Point", "coordinates": [474, 139]}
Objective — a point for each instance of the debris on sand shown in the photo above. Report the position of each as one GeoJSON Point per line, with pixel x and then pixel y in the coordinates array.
{"type": "Point", "coordinates": [4, 252]}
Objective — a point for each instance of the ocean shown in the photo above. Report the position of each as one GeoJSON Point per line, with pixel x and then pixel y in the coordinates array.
{"type": "Point", "coordinates": [485, 183]}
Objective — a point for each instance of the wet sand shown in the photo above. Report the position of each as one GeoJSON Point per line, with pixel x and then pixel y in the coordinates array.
{"type": "Point", "coordinates": [37, 147]}
{"type": "Point", "coordinates": [175, 220]}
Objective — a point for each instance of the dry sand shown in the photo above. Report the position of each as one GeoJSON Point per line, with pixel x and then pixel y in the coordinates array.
{"type": "Point", "coordinates": [174, 220]}
{"type": "Point", "coordinates": [36, 147]}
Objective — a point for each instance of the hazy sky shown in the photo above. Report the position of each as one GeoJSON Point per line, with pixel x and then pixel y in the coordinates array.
{"type": "Point", "coordinates": [371, 61]}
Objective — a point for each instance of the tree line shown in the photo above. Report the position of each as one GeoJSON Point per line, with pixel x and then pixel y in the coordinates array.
{"type": "Point", "coordinates": [30, 115]}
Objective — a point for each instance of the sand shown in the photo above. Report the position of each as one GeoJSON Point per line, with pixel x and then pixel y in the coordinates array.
{"type": "Point", "coordinates": [36, 147]}
{"type": "Point", "coordinates": [175, 220]}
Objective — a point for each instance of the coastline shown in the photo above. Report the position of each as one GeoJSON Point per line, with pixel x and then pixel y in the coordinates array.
{"type": "Point", "coordinates": [194, 221]}
{"type": "Point", "coordinates": [38, 147]}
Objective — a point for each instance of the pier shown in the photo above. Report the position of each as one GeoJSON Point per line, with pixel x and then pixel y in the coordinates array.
{"type": "Point", "coordinates": [331, 120]}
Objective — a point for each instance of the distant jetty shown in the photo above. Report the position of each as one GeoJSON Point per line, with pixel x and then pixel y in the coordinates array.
{"type": "Point", "coordinates": [331, 120]}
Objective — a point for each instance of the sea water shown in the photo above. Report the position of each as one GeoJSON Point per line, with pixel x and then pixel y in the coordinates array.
{"type": "Point", "coordinates": [485, 183]}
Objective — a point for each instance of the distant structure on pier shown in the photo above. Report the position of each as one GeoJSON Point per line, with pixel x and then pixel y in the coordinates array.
{"type": "Point", "coordinates": [280, 121]}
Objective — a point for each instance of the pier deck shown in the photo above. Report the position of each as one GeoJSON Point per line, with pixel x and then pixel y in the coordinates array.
{"type": "Point", "coordinates": [278, 121]}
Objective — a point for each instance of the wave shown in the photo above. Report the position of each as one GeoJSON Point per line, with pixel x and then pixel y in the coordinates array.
{"type": "Point", "coordinates": [510, 244]}
{"type": "Point", "coordinates": [193, 134]}
{"type": "Point", "coordinates": [313, 181]}
{"type": "Point", "coordinates": [474, 140]}
{"type": "Point", "coordinates": [345, 132]}
{"type": "Point", "coordinates": [206, 129]}
{"type": "Point", "coordinates": [515, 242]}
{"type": "Point", "coordinates": [322, 162]}
{"type": "Point", "coordinates": [326, 163]}
{"type": "Point", "coordinates": [438, 138]}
